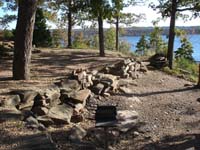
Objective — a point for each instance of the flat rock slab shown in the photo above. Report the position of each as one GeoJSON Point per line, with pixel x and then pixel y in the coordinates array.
{"type": "Point", "coordinates": [76, 134]}
{"type": "Point", "coordinates": [10, 113]}
{"type": "Point", "coordinates": [61, 113]}
{"type": "Point", "coordinates": [37, 142]}
{"type": "Point", "coordinates": [10, 101]}
{"type": "Point", "coordinates": [127, 119]}
{"type": "Point", "coordinates": [81, 96]}
{"type": "Point", "coordinates": [126, 90]}
{"type": "Point", "coordinates": [69, 85]}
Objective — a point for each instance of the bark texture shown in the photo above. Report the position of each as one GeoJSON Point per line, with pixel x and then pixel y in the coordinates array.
{"type": "Point", "coordinates": [23, 39]}
{"type": "Point", "coordinates": [101, 37]}
{"type": "Point", "coordinates": [170, 51]}
{"type": "Point", "coordinates": [117, 33]}
{"type": "Point", "coordinates": [69, 16]}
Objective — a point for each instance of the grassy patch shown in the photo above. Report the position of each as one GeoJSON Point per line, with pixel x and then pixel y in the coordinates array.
{"type": "Point", "coordinates": [184, 68]}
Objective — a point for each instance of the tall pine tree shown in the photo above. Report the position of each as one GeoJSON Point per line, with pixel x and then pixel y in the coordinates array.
{"type": "Point", "coordinates": [41, 35]}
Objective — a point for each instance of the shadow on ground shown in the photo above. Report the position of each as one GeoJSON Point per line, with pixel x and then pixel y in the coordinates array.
{"type": "Point", "coordinates": [180, 142]}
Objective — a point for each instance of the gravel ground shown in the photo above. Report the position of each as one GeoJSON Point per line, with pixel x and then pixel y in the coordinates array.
{"type": "Point", "coordinates": [169, 111]}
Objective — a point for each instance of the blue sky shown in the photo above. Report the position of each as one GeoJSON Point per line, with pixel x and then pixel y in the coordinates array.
{"type": "Point", "coordinates": [150, 16]}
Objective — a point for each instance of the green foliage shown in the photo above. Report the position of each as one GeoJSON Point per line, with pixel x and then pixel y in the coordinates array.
{"type": "Point", "coordinates": [8, 35]}
{"type": "Point", "coordinates": [156, 42]}
{"type": "Point", "coordinates": [186, 64]}
{"type": "Point", "coordinates": [110, 39]}
{"type": "Point", "coordinates": [94, 42]}
{"type": "Point", "coordinates": [100, 8]}
{"type": "Point", "coordinates": [186, 49]}
{"type": "Point", "coordinates": [79, 41]}
{"type": "Point", "coordinates": [142, 46]}
{"type": "Point", "coordinates": [59, 38]}
{"type": "Point", "coordinates": [41, 35]}
{"type": "Point", "coordinates": [184, 68]}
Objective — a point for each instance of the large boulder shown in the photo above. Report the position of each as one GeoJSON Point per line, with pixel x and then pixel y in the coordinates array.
{"type": "Point", "coordinates": [98, 88]}
{"type": "Point", "coordinates": [10, 113]}
{"type": "Point", "coordinates": [11, 101]}
{"type": "Point", "coordinates": [158, 60]}
{"type": "Point", "coordinates": [127, 119]}
{"type": "Point", "coordinates": [33, 123]}
{"type": "Point", "coordinates": [76, 134]}
{"type": "Point", "coordinates": [52, 95]}
{"type": "Point", "coordinates": [61, 113]}
{"type": "Point", "coordinates": [26, 98]}
{"type": "Point", "coordinates": [69, 85]}
{"type": "Point", "coordinates": [81, 96]}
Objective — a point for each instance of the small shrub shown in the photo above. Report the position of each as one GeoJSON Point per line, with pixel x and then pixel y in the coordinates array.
{"type": "Point", "coordinates": [8, 35]}
{"type": "Point", "coordinates": [185, 68]}
{"type": "Point", "coordinates": [124, 47]}
{"type": "Point", "coordinates": [79, 41]}
{"type": "Point", "coordinates": [142, 46]}
{"type": "Point", "coordinates": [110, 39]}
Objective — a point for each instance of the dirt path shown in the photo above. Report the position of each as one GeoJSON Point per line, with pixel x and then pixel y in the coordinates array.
{"type": "Point", "coordinates": [169, 113]}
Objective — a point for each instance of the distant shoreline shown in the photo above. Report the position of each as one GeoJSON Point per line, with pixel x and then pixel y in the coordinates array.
{"type": "Point", "coordinates": [138, 31]}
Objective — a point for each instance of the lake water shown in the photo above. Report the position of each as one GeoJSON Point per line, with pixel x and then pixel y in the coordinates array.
{"type": "Point", "coordinates": [194, 39]}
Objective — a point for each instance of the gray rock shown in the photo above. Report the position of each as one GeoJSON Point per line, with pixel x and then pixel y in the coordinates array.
{"type": "Point", "coordinates": [10, 113]}
{"type": "Point", "coordinates": [108, 77]}
{"type": "Point", "coordinates": [134, 75]}
{"type": "Point", "coordinates": [31, 122]}
{"type": "Point", "coordinates": [127, 119]}
{"type": "Point", "coordinates": [137, 66]}
{"type": "Point", "coordinates": [143, 67]}
{"type": "Point", "coordinates": [134, 99]}
{"type": "Point", "coordinates": [26, 98]}
{"type": "Point", "coordinates": [124, 82]}
{"type": "Point", "coordinates": [61, 113]}
{"type": "Point", "coordinates": [39, 141]}
{"type": "Point", "coordinates": [135, 133]}
{"type": "Point", "coordinates": [76, 134]}
{"type": "Point", "coordinates": [127, 61]}
{"type": "Point", "coordinates": [94, 72]}
{"type": "Point", "coordinates": [126, 90]}
{"type": "Point", "coordinates": [98, 89]}
{"type": "Point", "coordinates": [52, 94]}
{"type": "Point", "coordinates": [70, 85]}
{"type": "Point", "coordinates": [11, 101]}
{"type": "Point", "coordinates": [81, 96]}
{"type": "Point", "coordinates": [45, 120]}
{"type": "Point", "coordinates": [79, 108]}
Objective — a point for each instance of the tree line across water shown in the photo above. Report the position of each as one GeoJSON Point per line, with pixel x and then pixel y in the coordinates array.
{"type": "Point", "coordinates": [76, 12]}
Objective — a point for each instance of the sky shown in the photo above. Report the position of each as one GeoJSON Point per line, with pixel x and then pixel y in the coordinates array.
{"type": "Point", "coordinates": [150, 15]}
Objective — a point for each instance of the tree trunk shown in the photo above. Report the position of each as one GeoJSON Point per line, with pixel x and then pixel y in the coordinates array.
{"type": "Point", "coordinates": [69, 15]}
{"type": "Point", "coordinates": [172, 34]}
{"type": "Point", "coordinates": [101, 37]}
{"type": "Point", "coordinates": [23, 39]}
{"type": "Point", "coordinates": [117, 33]}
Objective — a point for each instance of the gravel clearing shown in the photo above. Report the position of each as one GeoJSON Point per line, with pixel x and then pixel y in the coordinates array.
{"type": "Point", "coordinates": [169, 111]}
